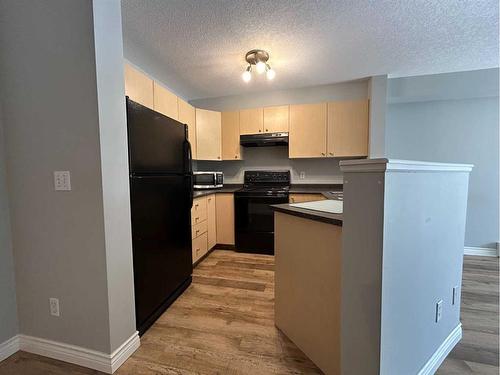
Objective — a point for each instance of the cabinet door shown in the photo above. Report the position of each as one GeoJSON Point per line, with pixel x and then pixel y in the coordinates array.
{"type": "Point", "coordinates": [225, 218]}
{"type": "Point", "coordinates": [276, 119]}
{"type": "Point", "coordinates": [231, 149]}
{"type": "Point", "coordinates": [251, 121]}
{"type": "Point", "coordinates": [165, 102]}
{"type": "Point", "coordinates": [187, 115]}
{"type": "Point", "coordinates": [348, 128]}
{"type": "Point", "coordinates": [208, 135]}
{"type": "Point", "coordinates": [138, 86]}
{"type": "Point", "coordinates": [307, 138]}
{"type": "Point", "coordinates": [199, 247]}
{"type": "Point", "coordinates": [212, 221]}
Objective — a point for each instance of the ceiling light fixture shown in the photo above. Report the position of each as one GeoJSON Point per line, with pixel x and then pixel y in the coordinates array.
{"type": "Point", "coordinates": [258, 58]}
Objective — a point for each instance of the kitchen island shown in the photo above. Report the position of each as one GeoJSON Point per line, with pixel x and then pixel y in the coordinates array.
{"type": "Point", "coordinates": [375, 290]}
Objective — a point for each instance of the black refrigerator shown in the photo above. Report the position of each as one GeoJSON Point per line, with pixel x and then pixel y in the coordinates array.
{"type": "Point", "coordinates": [161, 197]}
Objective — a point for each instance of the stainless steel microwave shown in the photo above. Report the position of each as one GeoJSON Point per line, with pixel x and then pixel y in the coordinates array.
{"type": "Point", "coordinates": [208, 180]}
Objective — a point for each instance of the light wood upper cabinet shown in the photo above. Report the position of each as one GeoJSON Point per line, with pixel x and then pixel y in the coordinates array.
{"type": "Point", "coordinates": [138, 86]}
{"type": "Point", "coordinates": [307, 137]}
{"type": "Point", "coordinates": [348, 128]}
{"type": "Point", "coordinates": [231, 149]}
{"type": "Point", "coordinates": [187, 115]}
{"type": "Point", "coordinates": [208, 135]}
{"type": "Point", "coordinates": [212, 221]}
{"type": "Point", "coordinates": [165, 102]}
{"type": "Point", "coordinates": [225, 218]}
{"type": "Point", "coordinates": [252, 121]}
{"type": "Point", "coordinates": [276, 119]}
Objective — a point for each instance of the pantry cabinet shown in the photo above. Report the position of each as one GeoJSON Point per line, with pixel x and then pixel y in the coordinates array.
{"type": "Point", "coordinates": [308, 129]}
{"type": "Point", "coordinates": [164, 101]}
{"type": "Point", "coordinates": [252, 121]}
{"type": "Point", "coordinates": [276, 119]}
{"type": "Point", "coordinates": [138, 86]}
{"type": "Point", "coordinates": [187, 115]}
{"type": "Point", "coordinates": [208, 135]}
{"type": "Point", "coordinates": [347, 128]}
{"type": "Point", "coordinates": [230, 122]}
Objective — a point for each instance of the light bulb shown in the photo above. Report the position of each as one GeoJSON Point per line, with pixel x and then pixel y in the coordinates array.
{"type": "Point", "coordinates": [247, 76]}
{"type": "Point", "coordinates": [261, 67]}
{"type": "Point", "coordinates": [270, 74]}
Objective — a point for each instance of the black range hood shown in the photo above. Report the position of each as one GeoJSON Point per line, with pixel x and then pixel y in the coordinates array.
{"type": "Point", "coordinates": [264, 140]}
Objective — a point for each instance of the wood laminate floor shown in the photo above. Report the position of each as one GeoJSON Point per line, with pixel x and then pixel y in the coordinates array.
{"type": "Point", "coordinates": [223, 324]}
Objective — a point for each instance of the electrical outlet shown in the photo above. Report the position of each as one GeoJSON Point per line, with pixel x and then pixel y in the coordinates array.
{"type": "Point", "coordinates": [439, 310]}
{"type": "Point", "coordinates": [456, 295]}
{"type": "Point", "coordinates": [62, 181]}
{"type": "Point", "coordinates": [302, 175]}
{"type": "Point", "coordinates": [54, 306]}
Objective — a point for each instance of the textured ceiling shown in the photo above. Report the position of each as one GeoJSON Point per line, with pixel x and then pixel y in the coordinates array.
{"type": "Point", "coordinates": [201, 44]}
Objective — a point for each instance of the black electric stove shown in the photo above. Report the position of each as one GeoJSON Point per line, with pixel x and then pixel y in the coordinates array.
{"type": "Point", "coordinates": [254, 219]}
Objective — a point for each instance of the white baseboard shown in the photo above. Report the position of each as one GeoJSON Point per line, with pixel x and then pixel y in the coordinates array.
{"type": "Point", "coordinates": [77, 355]}
{"type": "Point", "coordinates": [9, 347]}
{"type": "Point", "coordinates": [481, 251]}
{"type": "Point", "coordinates": [442, 352]}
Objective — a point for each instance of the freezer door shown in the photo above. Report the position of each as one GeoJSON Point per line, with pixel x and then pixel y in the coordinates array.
{"type": "Point", "coordinates": [157, 143]}
{"type": "Point", "coordinates": [161, 235]}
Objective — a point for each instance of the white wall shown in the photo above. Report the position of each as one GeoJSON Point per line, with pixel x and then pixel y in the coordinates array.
{"type": "Point", "coordinates": [114, 166]}
{"type": "Point", "coordinates": [453, 118]}
{"type": "Point", "coordinates": [8, 308]}
{"type": "Point", "coordinates": [56, 112]}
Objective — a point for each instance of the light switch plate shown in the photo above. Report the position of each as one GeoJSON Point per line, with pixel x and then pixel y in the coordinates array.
{"type": "Point", "coordinates": [456, 294]}
{"type": "Point", "coordinates": [439, 310]}
{"type": "Point", "coordinates": [62, 181]}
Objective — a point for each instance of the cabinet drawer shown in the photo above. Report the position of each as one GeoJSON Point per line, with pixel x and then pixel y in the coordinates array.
{"type": "Point", "coordinates": [199, 229]}
{"type": "Point", "coordinates": [199, 210]}
{"type": "Point", "coordinates": [199, 246]}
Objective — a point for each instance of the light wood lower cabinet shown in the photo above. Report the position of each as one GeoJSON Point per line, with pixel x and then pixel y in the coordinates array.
{"type": "Point", "coordinates": [301, 197]}
{"type": "Point", "coordinates": [225, 218]}
{"type": "Point", "coordinates": [307, 137]}
{"type": "Point", "coordinates": [199, 247]}
{"type": "Point", "coordinates": [211, 221]}
{"type": "Point", "coordinates": [199, 210]}
{"type": "Point", "coordinates": [138, 86]}
{"type": "Point", "coordinates": [204, 224]}
{"type": "Point", "coordinates": [208, 135]}
{"type": "Point", "coordinates": [230, 123]}
{"type": "Point", "coordinates": [348, 128]}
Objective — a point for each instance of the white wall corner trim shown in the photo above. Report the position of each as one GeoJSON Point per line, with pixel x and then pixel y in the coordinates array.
{"type": "Point", "coordinates": [77, 355]}
{"type": "Point", "coordinates": [9, 347]}
{"type": "Point", "coordinates": [442, 352]}
{"type": "Point", "coordinates": [481, 251]}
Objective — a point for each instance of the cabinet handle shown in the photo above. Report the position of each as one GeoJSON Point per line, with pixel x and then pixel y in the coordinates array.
{"type": "Point", "coordinates": [197, 231]}
{"type": "Point", "coordinates": [196, 218]}
{"type": "Point", "coordinates": [267, 130]}
{"type": "Point", "coordinates": [209, 199]}
{"type": "Point", "coordinates": [260, 130]}
{"type": "Point", "coordinates": [330, 153]}
{"type": "Point", "coordinates": [323, 153]}
{"type": "Point", "coordinates": [196, 205]}
{"type": "Point", "coordinates": [198, 250]}
{"type": "Point", "coordinates": [218, 157]}
{"type": "Point", "coordinates": [236, 156]}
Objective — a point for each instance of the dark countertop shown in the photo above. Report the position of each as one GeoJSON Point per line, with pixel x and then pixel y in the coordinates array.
{"type": "Point", "coordinates": [325, 217]}
{"type": "Point", "coordinates": [227, 188]}
{"type": "Point", "coordinates": [324, 189]}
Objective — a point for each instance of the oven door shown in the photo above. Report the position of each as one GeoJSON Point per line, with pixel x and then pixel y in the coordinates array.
{"type": "Point", "coordinates": [254, 222]}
